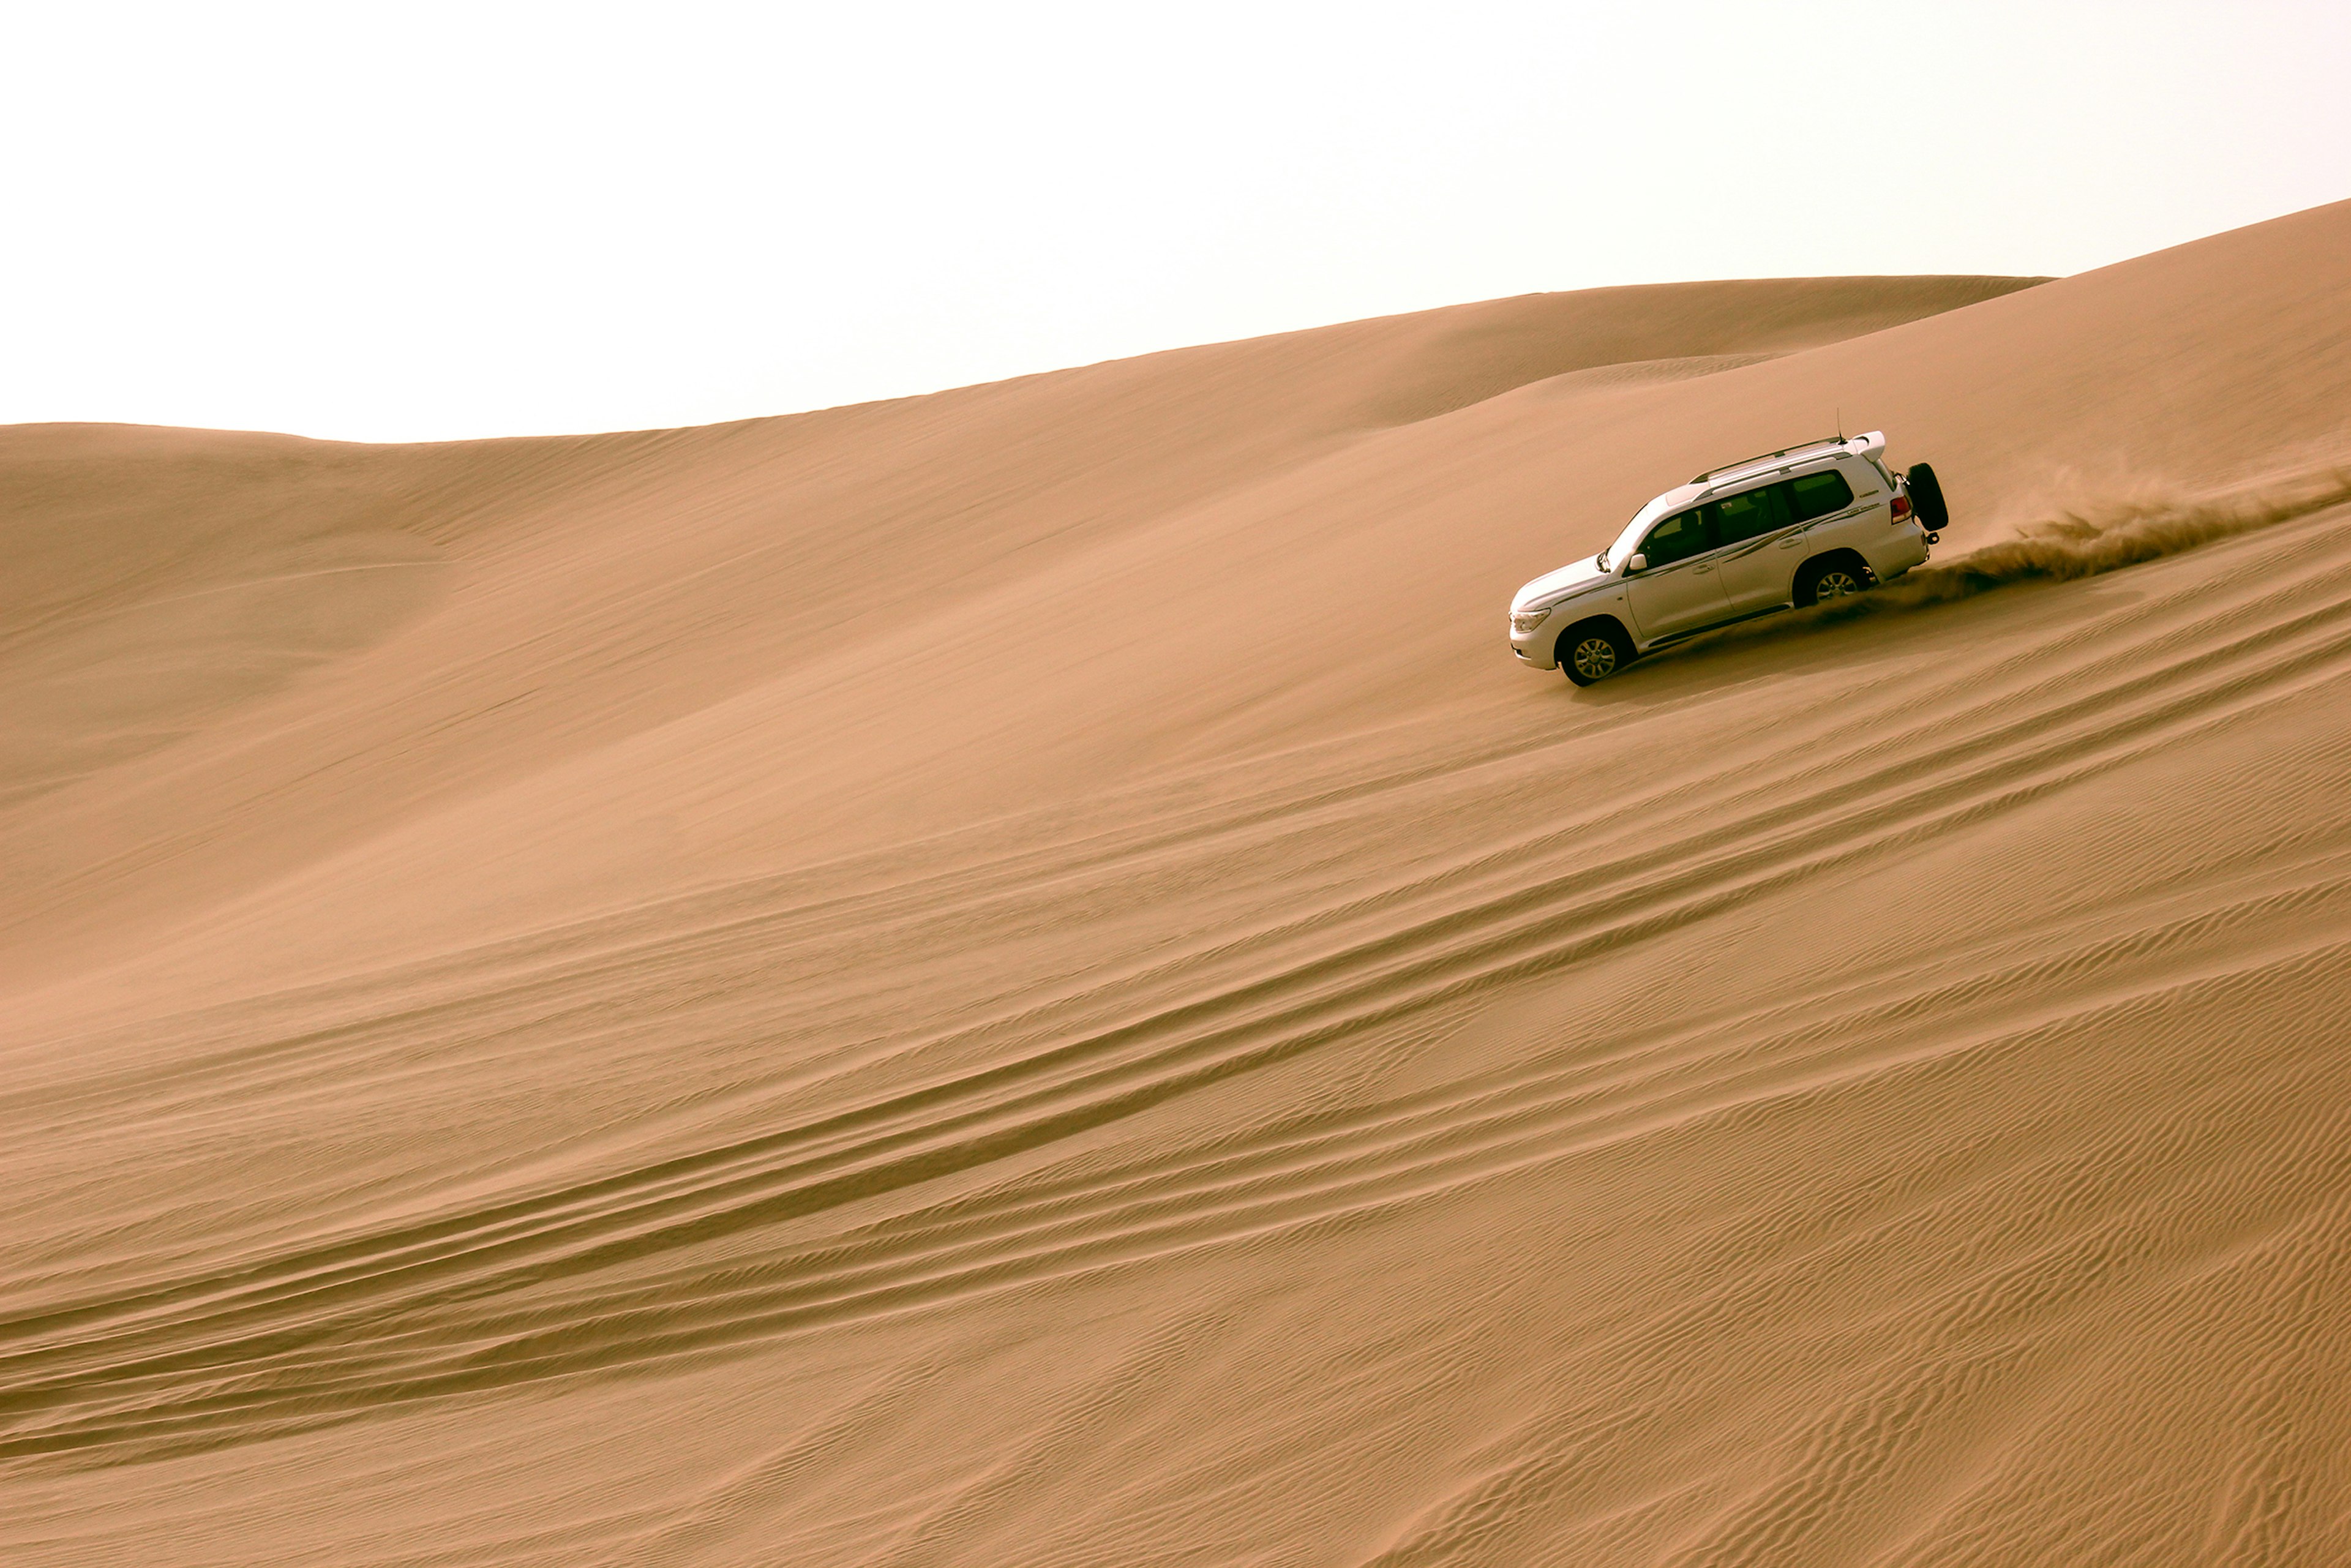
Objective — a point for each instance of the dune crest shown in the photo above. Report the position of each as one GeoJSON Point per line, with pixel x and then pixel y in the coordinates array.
{"type": "Point", "coordinates": [1017, 976]}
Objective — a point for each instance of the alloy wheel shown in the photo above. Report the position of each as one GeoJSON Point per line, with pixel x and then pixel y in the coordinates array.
{"type": "Point", "coordinates": [1596, 658]}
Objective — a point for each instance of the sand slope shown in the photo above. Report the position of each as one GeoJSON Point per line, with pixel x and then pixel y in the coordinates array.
{"type": "Point", "coordinates": [1017, 976]}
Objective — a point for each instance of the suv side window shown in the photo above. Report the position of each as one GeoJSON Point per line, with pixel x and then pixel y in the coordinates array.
{"type": "Point", "coordinates": [1818, 495]}
{"type": "Point", "coordinates": [1680, 537]}
{"type": "Point", "coordinates": [1751, 516]}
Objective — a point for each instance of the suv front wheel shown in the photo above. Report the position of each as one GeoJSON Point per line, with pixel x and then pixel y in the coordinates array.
{"type": "Point", "coordinates": [1594, 650]}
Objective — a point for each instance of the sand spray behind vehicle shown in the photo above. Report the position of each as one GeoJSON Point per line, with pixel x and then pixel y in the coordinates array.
{"type": "Point", "coordinates": [2101, 527]}
{"type": "Point", "coordinates": [2102, 534]}
{"type": "Point", "coordinates": [2105, 529]}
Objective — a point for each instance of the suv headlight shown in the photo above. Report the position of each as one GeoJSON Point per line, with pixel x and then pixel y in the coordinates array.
{"type": "Point", "coordinates": [1525, 620]}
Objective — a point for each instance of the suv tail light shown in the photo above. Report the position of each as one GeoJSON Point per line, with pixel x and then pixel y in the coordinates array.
{"type": "Point", "coordinates": [1901, 507]}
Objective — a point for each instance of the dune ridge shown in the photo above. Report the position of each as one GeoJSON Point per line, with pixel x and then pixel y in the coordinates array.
{"type": "Point", "coordinates": [1017, 976]}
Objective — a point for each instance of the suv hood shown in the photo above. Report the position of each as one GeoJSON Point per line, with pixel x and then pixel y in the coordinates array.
{"type": "Point", "coordinates": [1554, 585]}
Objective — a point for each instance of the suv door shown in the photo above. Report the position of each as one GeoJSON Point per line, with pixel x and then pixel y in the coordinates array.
{"type": "Point", "coordinates": [1771, 532]}
{"type": "Point", "coordinates": [1679, 589]}
{"type": "Point", "coordinates": [1753, 526]}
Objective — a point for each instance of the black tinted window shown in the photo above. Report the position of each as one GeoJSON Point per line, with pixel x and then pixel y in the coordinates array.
{"type": "Point", "coordinates": [1738, 517]}
{"type": "Point", "coordinates": [1680, 537]}
{"type": "Point", "coordinates": [1818, 495]}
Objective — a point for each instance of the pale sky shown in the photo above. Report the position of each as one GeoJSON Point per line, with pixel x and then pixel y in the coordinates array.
{"type": "Point", "coordinates": [389, 223]}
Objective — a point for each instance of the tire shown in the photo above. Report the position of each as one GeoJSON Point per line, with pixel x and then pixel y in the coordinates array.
{"type": "Point", "coordinates": [1592, 650]}
{"type": "Point", "coordinates": [1831, 576]}
{"type": "Point", "coordinates": [1926, 497]}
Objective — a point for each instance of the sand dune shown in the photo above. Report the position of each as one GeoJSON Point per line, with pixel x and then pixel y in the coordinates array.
{"type": "Point", "coordinates": [1017, 976]}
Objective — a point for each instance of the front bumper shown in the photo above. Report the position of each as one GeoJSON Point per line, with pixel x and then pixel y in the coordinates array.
{"type": "Point", "coordinates": [1537, 649]}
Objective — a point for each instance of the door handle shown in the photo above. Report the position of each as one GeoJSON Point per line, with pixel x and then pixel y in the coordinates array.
{"type": "Point", "coordinates": [1696, 570]}
{"type": "Point", "coordinates": [1791, 542]}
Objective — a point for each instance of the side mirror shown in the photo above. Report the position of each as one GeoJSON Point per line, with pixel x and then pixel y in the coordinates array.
{"type": "Point", "coordinates": [1638, 563]}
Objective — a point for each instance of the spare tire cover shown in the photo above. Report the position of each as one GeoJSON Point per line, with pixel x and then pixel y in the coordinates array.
{"type": "Point", "coordinates": [1927, 496]}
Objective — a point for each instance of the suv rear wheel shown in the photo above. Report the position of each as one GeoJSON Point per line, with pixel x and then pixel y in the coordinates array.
{"type": "Point", "coordinates": [1594, 650]}
{"type": "Point", "coordinates": [1832, 577]}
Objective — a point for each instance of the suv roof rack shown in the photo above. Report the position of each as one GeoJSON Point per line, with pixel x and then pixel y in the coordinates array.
{"type": "Point", "coordinates": [1766, 457]}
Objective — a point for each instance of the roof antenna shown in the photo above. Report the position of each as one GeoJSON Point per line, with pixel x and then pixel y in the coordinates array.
{"type": "Point", "coordinates": [1840, 425]}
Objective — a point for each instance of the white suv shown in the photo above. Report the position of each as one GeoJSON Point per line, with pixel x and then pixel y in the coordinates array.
{"type": "Point", "coordinates": [1785, 529]}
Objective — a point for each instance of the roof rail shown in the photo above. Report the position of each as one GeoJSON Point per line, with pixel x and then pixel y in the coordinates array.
{"type": "Point", "coordinates": [1766, 457]}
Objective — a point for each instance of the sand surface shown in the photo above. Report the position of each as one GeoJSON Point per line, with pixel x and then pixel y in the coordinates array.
{"type": "Point", "coordinates": [1017, 976]}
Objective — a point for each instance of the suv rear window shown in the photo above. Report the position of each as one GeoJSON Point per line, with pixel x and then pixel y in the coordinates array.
{"type": "Point", "coordinates": [1817, 494]}
{"type": "Point", "coordinates": [1750, 515]}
